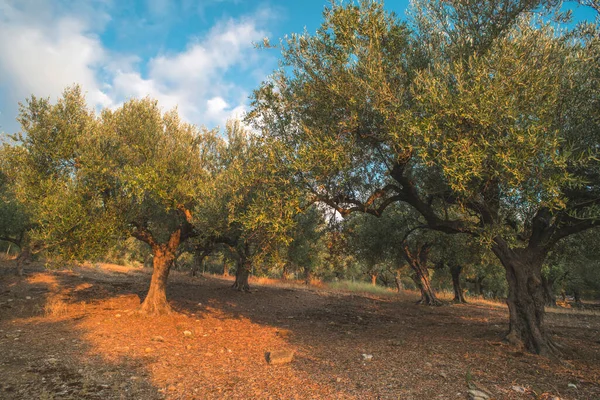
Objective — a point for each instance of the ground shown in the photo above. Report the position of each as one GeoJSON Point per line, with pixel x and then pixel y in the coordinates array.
{"type": "Point", "coordinates": [74, 334]}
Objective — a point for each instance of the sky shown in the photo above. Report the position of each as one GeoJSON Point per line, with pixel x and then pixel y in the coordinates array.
{"type": "Point", "coordinates": [197, 55]}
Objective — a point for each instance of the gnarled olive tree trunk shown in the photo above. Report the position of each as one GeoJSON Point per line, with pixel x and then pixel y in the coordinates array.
{"type": "Point", "coordinates": [455, 271]}
{"type": "Point", "coordinates": [155, 302]}
{"type": "Point", "coordinates": [418, 263]}
{"type": "Point", "coordinates": [241, 275]}
{"type": "Point", "coordinates": [525, 297]}
{"type": "Point", "coordinates": [398, 281]}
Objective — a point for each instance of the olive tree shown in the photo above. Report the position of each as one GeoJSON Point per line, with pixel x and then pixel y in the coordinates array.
{"type": "Point", "coordinates": [130, 172]}
{"type": "Point", "coordinates": [480, 117]}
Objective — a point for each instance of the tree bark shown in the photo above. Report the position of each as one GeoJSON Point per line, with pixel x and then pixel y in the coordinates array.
{"type": "Point", "coordinates": [455, 271]}
{"type": "Point", "coordinates": [23, 258]}
{"type": "Point", "coordinates": [199, 257]}
{"type": "Point", "coordinates": [374, 279]}
{"type": "Point", "coordinates": [549, 296]}
{"type": "Point", "coordinates": [418, 263]}
{"type": "Point", "coordinates": [155, 302]}
{"type": "Point", "coordinates": [225, 268]}
{"type": "Point", "coordinates": [525, 297]}
{"type": "Point", "coordinates": [307, 275]}
{"type": "Point", "coordinates": [577, 297]}
{"type": "Point", "coordinates": [478, 286]}
{"type": "Point", "coordinates": [241, 275]}
{"type": "Point", "coordinates": [398, 282]}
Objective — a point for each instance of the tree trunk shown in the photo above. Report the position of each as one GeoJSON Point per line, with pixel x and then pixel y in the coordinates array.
{"type": "Point", "coordinates": [241, 275]}
{"type": "Point", "coordinates": [398, 282]}
{"type": "Point", "coordinates": [307, 275]}
{"type": "Point", "coordinates": [226, 268]}
{"type": "Point", "coordinates": [577, 296]}
{"type": "Point", "coordinates": [374, 279]}
{"type": "Point", "coordinates": [422, 281]}
{"type": "Point", "coordinates": [549, 296]}
{"type": "Point", "coordinates": [478, 286]}
{"type": "Point", "coordinates": [418, 263]}
{"type": "Point", "coordinates": [199, 256]}
{"type": "Point", "coordinates": [23, 258]}
{"type": "Point", "coordinates": [155, 302]}
{"type": "Point", "coordinates": [525, 297]}
{"type": "Point", "coordinates": [455, 271]}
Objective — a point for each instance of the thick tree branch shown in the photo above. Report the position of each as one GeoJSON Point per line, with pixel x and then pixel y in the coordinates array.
{"type": "Point", "coordinates": [571, 229]}
{"type": "Point", "coordinates": [144, 235]}
{"type": "Point", "coordinates": [14, 241]}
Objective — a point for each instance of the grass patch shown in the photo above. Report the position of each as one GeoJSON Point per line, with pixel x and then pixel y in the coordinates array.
{"type": "Point", "coordinates": [360, 287]}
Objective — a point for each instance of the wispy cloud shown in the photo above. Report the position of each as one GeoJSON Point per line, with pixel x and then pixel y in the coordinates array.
{"type": "Point", "coordinates": [44, 50]}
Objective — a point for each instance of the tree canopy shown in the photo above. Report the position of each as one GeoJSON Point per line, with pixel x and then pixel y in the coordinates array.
{"type": "Point", "coordinates": [482, 116]}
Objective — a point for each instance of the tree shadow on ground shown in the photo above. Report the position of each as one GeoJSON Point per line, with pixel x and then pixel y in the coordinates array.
{"type": "Point", "coordinates": [44, 353]}
{"type": "Point", "coordinates": [214, 346]}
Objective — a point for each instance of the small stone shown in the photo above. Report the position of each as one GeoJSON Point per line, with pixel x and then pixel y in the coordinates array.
{"type": "Point", "coordinates": [172, 388]}
{"type": "Point", "coordinates": [118, 315]}
{"type": "Point", "coordinates": [9, 300]}
{"type": "Point", "coordinates": [279, 357]}
{"type": "Point", "coordinates": [519, 389]}
{"type": "Point", "coordinates": [148, 349]}
{"type": "Point", "coordinates": [367, 357]}
{"type": "Point", "coordinates": [187, 333]}
{"type": "Point", "coordinates": [189, 347]}
{"type": "Point", "coordinates": [443, 375]}
{"type": "Point", "coordinates": [572, 385]}
{"type": "Point", "coordinates": [478, 395]}
{"type": "Point", "coordinates": [158, 339]}
{"type": "Point", "coordinates": [28, 297]}
{"type": "Point", "coordinates": [338, 380]}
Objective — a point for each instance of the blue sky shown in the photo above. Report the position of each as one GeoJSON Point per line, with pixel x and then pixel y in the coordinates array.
{"type": "Point", "coordinates": [194, 54]}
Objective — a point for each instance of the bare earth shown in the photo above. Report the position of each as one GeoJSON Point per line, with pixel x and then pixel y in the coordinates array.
{"type": "Point", "coordinates": [75, 335]}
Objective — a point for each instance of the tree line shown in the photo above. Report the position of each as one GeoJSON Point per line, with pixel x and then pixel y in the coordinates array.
{"type": "Point", "coordinates": [465, 140]}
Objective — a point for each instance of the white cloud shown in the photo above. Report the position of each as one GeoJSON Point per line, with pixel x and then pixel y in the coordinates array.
{"type": "Point", "coordinates": [45, 50]}
{"type": "Point", "coordinates": [196, 77]}
{"type": "Point", "coordinates": [44, 55]}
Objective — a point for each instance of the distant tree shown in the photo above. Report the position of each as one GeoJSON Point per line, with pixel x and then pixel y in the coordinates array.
{"type": "Point", "coordinates": [574, 267]}
{"type": "Point", "coordinates": [254, 211]}
{"type": "Point", "coordinates": [395, 238]}
{"type": "Point", "coordinates": [307, 247]}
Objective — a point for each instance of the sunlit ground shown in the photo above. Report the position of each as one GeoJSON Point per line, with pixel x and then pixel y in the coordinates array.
{"type": "Point", "coordinates": [78, 336]}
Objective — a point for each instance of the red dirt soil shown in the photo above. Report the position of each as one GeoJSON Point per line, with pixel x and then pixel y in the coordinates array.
{"type": "Point", "coordinates": [75, 335]}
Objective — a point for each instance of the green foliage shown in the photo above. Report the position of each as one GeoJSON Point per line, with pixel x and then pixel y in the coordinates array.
{"type": "Point", "coordinates": [91, 181]}
{"type": "Point", "coordinates": [14, 219]}
{"type": "Point", "coordinates": [308, 247]}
